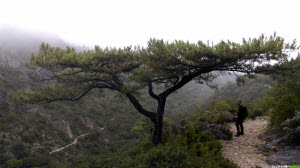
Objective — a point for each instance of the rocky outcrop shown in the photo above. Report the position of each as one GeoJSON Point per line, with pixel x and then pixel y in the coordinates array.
{"type": "Point", "coordinates": [105, 140]}
{"type": "Point", "coordinates": [87, 122]}
{"type": "Point", "coordinates": [291, 128]}
{"type": "Point", "coordinates": [278, 138]}
{"type": "Point", "coordinates": [288, 156]}
{"type": "Point", "coordinates": [63, 126]}
{"type": "Point", "coordinates": [220, 131]}
{"type": "Point", "coordinates": [282, 145]}
{"type": "Point", "coordinates": [31, 109]}
{"type": "Point", "coordinates": [272, 146]}
{"type": "Point", "coordinates": [1, 77]}
{"type": "Point", "coordinates": [229, 117]}
{"type": "Point", "coordinates": [182, 126]}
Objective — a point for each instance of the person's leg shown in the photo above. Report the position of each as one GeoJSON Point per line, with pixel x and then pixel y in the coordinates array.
{"type": "Point", "coordinates": [242, 128]}
{"type": "Point", "coordinates": [237, 127]}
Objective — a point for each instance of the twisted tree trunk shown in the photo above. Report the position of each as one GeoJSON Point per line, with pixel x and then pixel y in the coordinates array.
{"type": "Point", "coordinates": [158, 122]}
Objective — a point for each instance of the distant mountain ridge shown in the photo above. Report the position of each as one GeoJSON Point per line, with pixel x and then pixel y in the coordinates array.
{"type": "Point", "coordinates": [17, 44]}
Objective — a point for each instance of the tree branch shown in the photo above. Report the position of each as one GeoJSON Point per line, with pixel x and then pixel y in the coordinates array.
{"type": "Point", "coordinates": [186, 79]}
{"type": "Point", "coordinates": [150, 91]}
{"type": "Point", "coordinates": [140, 108]}
{"type": "Point", "coordinates": [134, 101]}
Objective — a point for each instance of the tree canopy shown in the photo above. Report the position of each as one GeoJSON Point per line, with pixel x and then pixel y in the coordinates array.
{"type": "Point", "coordinates": [161, 67]}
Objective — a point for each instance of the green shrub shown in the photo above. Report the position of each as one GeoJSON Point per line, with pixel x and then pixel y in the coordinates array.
{"type": "Point", "coordinates": [20, 150]}
{"type": "Point", "coordinates": [215, 114]}
{"type": "Point", "coordinates": [226, 131]}
{"type": "Point", "coordinates": [3, 155]}
{"type": "Point", "coordinates": [163, 156]}
{"type": "Point", "coordinates": [255, 113]}
{"type": "Point", "coordinates": [285, 109]}
{"type": "Point", "coordinates": [5, 127]}
{"type": "Point", "coordinates": [267, 105]}
{"type": "Point", "coordinates": [14, 163]}
{"type": "Point", "coordinates": [35, 160]}
{"type": "Point", "coordinates": [193, 149]}
{"type": "Point", "coordinates": [10, 117]}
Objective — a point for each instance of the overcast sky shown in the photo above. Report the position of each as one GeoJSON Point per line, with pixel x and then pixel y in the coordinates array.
{"type": "Point", "coordinates": [133, 22]}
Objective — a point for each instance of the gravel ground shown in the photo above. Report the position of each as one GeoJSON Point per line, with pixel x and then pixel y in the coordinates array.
{"type": "Point", "coordinates": [242, 150]}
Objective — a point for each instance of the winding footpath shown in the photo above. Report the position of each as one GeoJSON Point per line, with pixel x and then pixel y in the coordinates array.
{"type": "Point", "coordinates": [73, 143]}
{"type": "Point", "coordinates": [242, 150]}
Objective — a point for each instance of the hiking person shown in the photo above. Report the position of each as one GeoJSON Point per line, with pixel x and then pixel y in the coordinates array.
{"type": "Point", "coordinates": [242, 114]}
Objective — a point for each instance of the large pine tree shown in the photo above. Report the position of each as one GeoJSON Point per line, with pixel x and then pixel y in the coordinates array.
{"type": "Point", "coordinates": [70, 75]}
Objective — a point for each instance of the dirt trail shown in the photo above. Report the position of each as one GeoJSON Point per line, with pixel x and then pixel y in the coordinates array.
{"type": "Point", "coordinates": [73, 143]}
{"type": "Point", "coordinates": [242, 150]}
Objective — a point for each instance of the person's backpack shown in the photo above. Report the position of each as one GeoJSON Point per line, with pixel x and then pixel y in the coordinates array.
{"type": "Point", "coordinates": [244, 111]}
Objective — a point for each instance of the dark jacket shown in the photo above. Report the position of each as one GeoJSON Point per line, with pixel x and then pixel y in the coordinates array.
{"type": "Point", "coordinates": [242, 112]}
